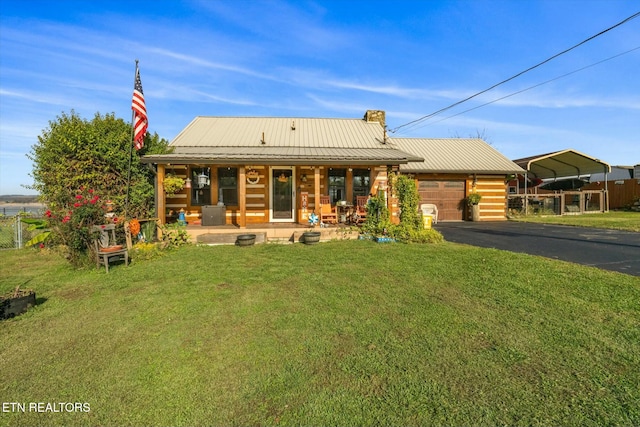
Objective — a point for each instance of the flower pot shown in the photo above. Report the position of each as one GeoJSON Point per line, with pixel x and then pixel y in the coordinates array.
{"type": "Point", "coordinates": [246, 239]}
{"type": "Point", "coordinates": [311, 237]}
{"type": "Point", "coordinates": [17, 303]}
{"type": "Point", "coordinates": [475, 212]}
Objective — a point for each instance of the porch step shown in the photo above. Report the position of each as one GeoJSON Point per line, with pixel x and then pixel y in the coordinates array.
{"type": "Point", "coordinates": [227, 238]}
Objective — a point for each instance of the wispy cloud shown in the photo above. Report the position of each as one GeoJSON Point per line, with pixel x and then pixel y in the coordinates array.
{"type": "Point", "coordinates": [188, 59]}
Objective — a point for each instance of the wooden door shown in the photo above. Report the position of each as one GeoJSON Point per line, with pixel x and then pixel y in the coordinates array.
{"type": "Point", "coordinates": [448, 196]}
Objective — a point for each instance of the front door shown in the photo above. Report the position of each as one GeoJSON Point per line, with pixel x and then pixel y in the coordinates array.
{"type": "Point", "coordinates": [282, 203]}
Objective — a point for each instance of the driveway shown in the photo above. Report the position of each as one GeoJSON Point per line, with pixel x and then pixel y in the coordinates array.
{"type": "Point", "coordinates": [607, 249]}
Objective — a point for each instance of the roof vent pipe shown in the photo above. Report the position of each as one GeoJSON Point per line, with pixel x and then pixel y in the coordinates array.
{"type": "Point", "coordinates": [262, 140]}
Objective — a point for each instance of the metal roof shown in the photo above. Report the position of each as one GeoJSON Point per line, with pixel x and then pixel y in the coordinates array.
{"type": "Point", "coordinates": [277, 140]}
{"type": "Point", "coordinates": [454, 155]}
{"type": "Point", "coordinates": [283, 156]}
{"type": "Point", "coordinates": [565, 163]}
{"type": "Point", "coordinates": [280, 132]}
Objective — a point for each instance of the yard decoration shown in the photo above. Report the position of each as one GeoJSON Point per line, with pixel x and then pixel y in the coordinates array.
{"type": "Point", "coordinates": [313, 219]}
{"type": "Point", "coordinates": [311, 237]}
{"type": "Point", "coordinates": [253, 177]}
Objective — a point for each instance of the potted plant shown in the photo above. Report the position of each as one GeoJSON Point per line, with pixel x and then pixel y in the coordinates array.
{"type": "Point", "coordinates": [16, 302]}
{"type": "Point", "coordinates": [172, 184]}
{"type": "Point", "coordinates": [473, 199]}
{"type": "Point", "coordinates": [311, 237]}
{"type": "Point", "coordinates": [246, 239]}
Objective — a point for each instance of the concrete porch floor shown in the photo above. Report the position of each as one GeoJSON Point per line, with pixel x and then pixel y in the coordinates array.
{"type": "Point", "coordinates": [275, 232]}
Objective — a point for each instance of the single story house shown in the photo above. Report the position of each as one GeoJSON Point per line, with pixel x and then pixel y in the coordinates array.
{"type": "Point", "coordinates": [260, 170]}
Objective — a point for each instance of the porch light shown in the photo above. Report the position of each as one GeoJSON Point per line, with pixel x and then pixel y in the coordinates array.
{"type": "Point", "coordinates": [187, 183]}
{"type": "Point", "coordinates": [303, 178]}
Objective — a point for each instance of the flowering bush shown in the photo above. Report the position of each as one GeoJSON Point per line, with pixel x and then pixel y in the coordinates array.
{"type": "Point", "coordinates": [71, 223]}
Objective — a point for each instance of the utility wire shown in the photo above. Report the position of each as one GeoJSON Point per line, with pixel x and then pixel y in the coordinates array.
{"type": "Point", "coordinates": [531, 87]}
{"type": "Point", "coordinates": [635, 15]}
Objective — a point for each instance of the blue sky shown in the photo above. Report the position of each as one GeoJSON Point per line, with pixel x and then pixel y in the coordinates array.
{"type": "Point", "coordinates": [328, 59]}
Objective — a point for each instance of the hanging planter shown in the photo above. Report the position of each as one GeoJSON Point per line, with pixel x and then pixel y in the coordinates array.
{"type": "Point", "coordinates": [172, 184]}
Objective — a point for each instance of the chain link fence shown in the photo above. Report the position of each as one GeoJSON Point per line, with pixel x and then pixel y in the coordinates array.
{"type": "Point", "coordinates": [14, 233]}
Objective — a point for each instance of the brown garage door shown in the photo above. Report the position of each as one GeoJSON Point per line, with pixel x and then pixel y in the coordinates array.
{"type": "Point", "coordinates": [447, 195]}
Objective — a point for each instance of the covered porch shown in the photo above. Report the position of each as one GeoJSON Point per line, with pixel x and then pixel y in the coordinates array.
{"type": "Point", "coordinates": [272, 195]}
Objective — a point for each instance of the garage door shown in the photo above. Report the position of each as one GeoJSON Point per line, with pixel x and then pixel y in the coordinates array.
{"type": "Point", "coordinates": [447, 195]}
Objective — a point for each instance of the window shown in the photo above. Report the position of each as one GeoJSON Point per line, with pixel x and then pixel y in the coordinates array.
{"type": "Point", "coordinates": [228, 186]}
{"type": "Point", "coordinates": [361, 183]}
{"type": "Point", "coordinates": [337, 184]}
{"type": "Point", "coordinates": [200, 186]}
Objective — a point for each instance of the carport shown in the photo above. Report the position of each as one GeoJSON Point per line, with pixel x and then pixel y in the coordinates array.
{"type": "Point", "coordinates": [565, 164]}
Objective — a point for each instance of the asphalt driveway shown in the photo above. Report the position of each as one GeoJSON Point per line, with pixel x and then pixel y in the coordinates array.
{"type": "Point", "coordinates": [607, 249]}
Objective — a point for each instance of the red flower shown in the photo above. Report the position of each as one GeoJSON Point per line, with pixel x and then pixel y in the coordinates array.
{"type": "Point", "coordinates": [115, 219]}
{"type": "Point", "coordinates": [41, 245]}
{"type": "Point", "coordinates": [77, 205]}
{"type": "Point", "coordinates": [79, 196]}
{"type": "Point", "coordinates": [48, 214]}
{"type": "Point", "coordinates": [91, 191]}
{"type": "Point", "coordinates": [66, 219]}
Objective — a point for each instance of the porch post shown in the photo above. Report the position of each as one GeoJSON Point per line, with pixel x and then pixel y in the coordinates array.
{"type": "Point", "coordinates": [316, 190]}
{"type": "Point", "coordinates": [242, 221]}
{"type": "Point", "coordinates": [161, 208]}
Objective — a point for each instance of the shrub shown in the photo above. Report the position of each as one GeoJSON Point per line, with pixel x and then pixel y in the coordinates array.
{"type": "Point", "coordinates": [408, 234]}
{"type": "Point", "coordinates": [71, 224]}
{"type": "Point", "coordinates": [145, 251]}
{"type": "Point", "coordinates": [378, 219]}
{"type": "Point", "coordinates": [174, 235]}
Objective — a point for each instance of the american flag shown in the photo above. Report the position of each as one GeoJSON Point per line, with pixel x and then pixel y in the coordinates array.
{"type": "Point", "coordinates": [140, 123]}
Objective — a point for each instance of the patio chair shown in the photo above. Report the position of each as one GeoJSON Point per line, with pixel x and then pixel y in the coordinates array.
{"type": "Point", "coordinates": [360, 214]}
{"type": "Point", "coordinates": [106, 248]}
{"type": "Point", "coordinates": [430, 210]}
{"type": "Point", "coordinates": [328, 214]}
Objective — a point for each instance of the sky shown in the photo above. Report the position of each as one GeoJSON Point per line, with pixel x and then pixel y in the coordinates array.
{"type": "Point", "coordinates": [333, 59]}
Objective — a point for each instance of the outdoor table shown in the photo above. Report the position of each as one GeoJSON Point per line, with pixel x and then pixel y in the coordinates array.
{"type": "Point", "coordinates": [343, 210]}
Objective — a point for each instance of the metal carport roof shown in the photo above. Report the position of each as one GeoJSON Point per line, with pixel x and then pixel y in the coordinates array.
{"type": "Point", "coordinates": [565, 163]}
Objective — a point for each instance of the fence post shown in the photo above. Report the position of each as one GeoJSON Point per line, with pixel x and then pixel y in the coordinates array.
{"type": "Point", "coordinates": [19, 230]}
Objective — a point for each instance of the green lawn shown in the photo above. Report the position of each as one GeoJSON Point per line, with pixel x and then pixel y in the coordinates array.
{"type": "Point", "coordinates": [340, 333]}
{"type": "Point", "coordinates": [618, 220]}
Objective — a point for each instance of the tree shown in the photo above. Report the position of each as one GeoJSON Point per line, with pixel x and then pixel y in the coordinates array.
{"type": "Point", "coordinates": [74, 153]}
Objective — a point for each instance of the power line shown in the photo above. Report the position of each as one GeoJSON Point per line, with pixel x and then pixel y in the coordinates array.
{"type": "Point", "coordinates": [534, 86]}
{"type": "Point", "coordinates": [624, 21]}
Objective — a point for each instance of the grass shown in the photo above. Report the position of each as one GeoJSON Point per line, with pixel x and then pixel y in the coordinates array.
{"type": "Point", "coordinates": [617, 220]}
{"type": "Point", "coordinates": [340, 333]}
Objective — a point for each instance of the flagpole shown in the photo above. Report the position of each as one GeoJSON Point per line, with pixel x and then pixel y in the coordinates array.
{"type": "Point", "coordinates": [133, 114]}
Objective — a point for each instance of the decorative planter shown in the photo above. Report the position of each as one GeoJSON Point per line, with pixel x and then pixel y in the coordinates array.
{"type": "Point", "coordinates": [475, 212]}
{"type": "Point", "coordinates": [16, 303]}
{"type": "Point", "coordinates": [311, 237]}
{"type": "Point", "coordinates": [246, 239]}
